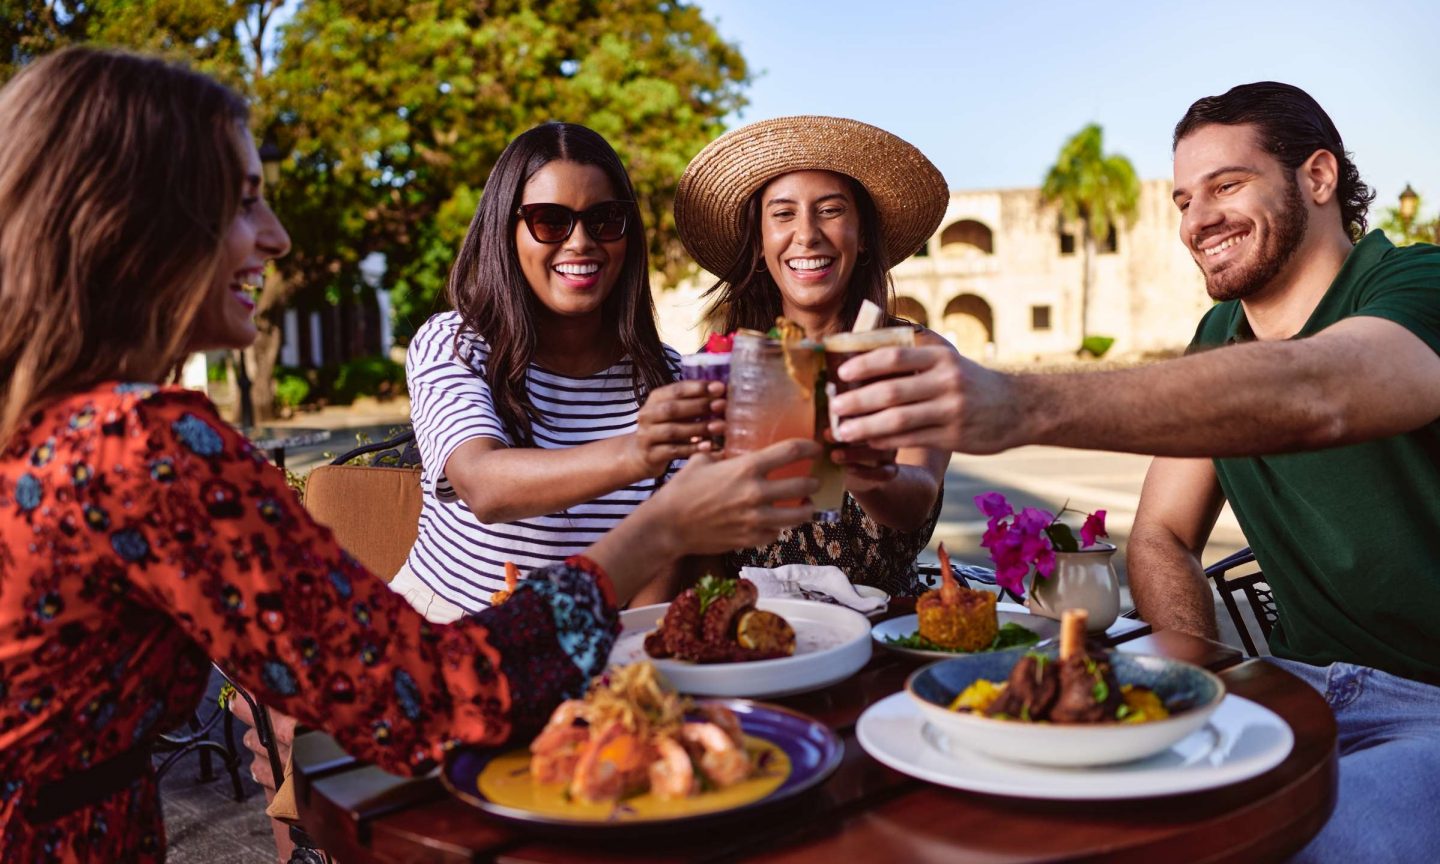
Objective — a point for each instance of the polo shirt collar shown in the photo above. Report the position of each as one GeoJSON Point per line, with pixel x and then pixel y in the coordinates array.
{"type": "Point", "coordinates": [1366, 254]}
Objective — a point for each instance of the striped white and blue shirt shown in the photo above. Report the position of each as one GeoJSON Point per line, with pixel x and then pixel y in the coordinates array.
{"type": "Point", "coordinates": [459, 557]}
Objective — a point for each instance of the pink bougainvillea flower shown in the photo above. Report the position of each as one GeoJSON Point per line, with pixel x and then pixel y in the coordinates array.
{"type": "Point", "coordinates": [1045, 563]}
{"type": "Point", "coordinates": [1033, 521]}
{"type": "Point", "coordinates": [994, 505]}
{"type": "Point", "coordinates": [1020, 543]}
{"type": "Point", "coordinates": [1093, 529]}
{"type": "Point", "coordinates": [995, 531]}
{"type": "Point", "coordinates": [1012, 579]}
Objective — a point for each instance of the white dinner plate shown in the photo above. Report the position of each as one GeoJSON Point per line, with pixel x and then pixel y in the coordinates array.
{"type": "Point", "coordinates": [1005, 613]}
{"type": "Point", "coordinates": [1241, 740]}
{"type": "Point", "coordinates": [831, 643]}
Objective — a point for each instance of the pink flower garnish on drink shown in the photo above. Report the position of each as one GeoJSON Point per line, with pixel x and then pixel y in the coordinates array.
{"type": "Point", "coordinates": [719, 343]}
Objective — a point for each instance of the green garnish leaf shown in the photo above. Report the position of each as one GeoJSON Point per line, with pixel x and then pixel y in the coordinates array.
{"type": "Point", "coordinates": [1122, 712]}
{"type": "Point", "coordinates": [1010, 635]}
{"type": "Point", "coordinates": [710, 588]}
{"type": "Point", "coordinates": [1101, 691]}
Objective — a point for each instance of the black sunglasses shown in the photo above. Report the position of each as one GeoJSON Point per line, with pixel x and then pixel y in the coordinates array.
{"type": "Point", "coordinates": [553, 223]}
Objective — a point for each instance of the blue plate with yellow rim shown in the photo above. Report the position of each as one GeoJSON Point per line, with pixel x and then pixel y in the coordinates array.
{"type": "Point", "coordinates": [792, 753]}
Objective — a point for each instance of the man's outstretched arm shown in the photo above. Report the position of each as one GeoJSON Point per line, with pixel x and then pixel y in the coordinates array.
{"type": "Point", "coordinates": [1178, 507]}
{"type": "Point", "coordinates": [1360, 379]}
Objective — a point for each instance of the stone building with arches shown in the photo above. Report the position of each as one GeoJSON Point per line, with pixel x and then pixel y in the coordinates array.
{"type": "Point", "coordinates": [1002, 280]}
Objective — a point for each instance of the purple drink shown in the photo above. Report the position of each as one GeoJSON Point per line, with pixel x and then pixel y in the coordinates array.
{"type": "Point", "coordinates": [707, 367]}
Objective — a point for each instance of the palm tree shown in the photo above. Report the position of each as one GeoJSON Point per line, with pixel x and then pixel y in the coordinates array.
{"type": "Point", "coordinates": [1098, 190]}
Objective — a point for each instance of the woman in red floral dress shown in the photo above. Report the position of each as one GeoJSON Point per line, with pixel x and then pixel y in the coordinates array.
{"type": "Point", "coordinates": [141, 537]}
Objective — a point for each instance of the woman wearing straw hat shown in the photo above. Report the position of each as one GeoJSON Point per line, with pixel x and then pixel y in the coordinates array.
{"type": "Point", "coordinates": [804, 217]}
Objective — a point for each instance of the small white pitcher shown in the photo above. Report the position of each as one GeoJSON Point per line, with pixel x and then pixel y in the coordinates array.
{"type": "Point", "coordinates": [1082, 580]}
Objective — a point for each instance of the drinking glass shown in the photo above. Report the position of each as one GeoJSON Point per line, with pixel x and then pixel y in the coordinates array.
{"type": "Point", "coordinates": [707, 367]}
{"type": "Point", "coordinates": [766, 403]}
{"type": "Point", "coordinates": [840, 347]}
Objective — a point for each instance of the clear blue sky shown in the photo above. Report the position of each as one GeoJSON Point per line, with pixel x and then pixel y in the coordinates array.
{"type": "Point", "coordinates": [990, 90]}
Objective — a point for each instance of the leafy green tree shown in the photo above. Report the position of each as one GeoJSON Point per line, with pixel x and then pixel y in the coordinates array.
{"type": "Point", "coordinates": [201, 32]}
{"type": "Point", "coordinates": [395, 112]}
{"type": "Point", "coordinates": [1099, 190]}
{"type": "Point", "coordinates": [391, 114]}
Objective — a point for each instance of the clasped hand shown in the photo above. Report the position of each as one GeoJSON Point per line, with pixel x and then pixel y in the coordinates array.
{"type": "Point", "coordinates": [946, 402]}
{"type": "Point", "coordinates": [671, 424]}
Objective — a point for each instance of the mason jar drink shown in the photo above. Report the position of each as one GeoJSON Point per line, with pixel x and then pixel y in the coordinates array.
{"type": "Point", "coordinates": [770, 400]}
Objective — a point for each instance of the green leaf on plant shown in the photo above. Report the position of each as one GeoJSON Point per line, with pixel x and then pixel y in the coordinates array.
{"type": "Point", "coordinates": [1061, 537]}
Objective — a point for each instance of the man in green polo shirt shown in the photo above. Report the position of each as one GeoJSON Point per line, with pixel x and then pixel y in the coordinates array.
{"type": "Point", "coordinates": [1309, 401]}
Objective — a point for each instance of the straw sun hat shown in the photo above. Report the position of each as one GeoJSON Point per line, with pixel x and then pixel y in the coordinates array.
{"type": "Point", "coordinates": [909, 192]}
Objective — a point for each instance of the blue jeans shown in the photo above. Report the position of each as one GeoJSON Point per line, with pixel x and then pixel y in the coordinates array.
{"type": "Point", "coordinates": [1389, 741]}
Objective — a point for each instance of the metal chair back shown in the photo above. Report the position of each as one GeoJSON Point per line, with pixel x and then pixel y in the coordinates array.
{"type": "Point", "coordinates": [1253, 587]}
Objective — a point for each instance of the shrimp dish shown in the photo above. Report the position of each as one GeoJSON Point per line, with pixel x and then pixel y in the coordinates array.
{"type": "Point", "coordinates": [631, 735]}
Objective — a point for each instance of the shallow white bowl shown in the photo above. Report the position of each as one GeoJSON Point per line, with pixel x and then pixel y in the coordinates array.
{"type": "Point", "coordinates": [831, 644]}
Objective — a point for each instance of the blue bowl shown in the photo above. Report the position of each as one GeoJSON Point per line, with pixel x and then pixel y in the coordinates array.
{"type": "Point", "coordinates": [1189, 692]}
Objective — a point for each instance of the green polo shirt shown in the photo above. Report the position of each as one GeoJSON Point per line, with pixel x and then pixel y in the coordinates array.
{"type": "Point", "coordinates": [1349, 537]}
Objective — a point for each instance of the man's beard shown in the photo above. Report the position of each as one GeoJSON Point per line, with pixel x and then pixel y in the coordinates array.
{"type": "Point", "coordinates": [1240, 280]}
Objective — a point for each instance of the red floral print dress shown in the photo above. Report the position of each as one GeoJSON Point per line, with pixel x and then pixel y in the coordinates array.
{"type": "Point", "coordinates": [141, 537]}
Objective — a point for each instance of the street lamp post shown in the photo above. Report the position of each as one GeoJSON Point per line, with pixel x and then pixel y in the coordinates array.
{"type": "Point", "coordinates": [1409, 204]}
{"type": "Point", "coordinates": [270, 156]}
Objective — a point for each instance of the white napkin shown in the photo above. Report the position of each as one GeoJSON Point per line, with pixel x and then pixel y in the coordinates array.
{"type": "Point", "coordinates": [805, 581]}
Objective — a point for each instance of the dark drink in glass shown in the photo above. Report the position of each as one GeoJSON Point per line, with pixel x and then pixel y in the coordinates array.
{"type": "Point", "coordinates": [843, 346]}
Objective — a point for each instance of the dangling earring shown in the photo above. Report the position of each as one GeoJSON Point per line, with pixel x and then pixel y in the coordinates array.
{"type": "Point", "coordinates": [760, 266]}
{"type": "Point", "coordinates": [862, 261]}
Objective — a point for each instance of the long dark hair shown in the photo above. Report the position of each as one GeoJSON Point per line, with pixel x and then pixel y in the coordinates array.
{"type": "Point", "coordinates": [1291, 126]}
{"type": "Point", "coordinates": [489, 290]}
{"type": "Point", "coordinates": [746, 294]}
{"type": "Point", "coordinates": [119, 178]}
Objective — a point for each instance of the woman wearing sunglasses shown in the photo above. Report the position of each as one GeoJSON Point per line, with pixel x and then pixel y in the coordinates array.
{"type": "Point", "coordinates": [545, 406]}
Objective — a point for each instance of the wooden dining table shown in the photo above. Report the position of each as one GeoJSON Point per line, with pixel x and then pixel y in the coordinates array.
{"type": "Point", "coordinates": [866, 811]}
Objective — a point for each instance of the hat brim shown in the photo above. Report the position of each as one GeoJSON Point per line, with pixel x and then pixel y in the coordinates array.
{"type": "Point", "coordinates": [909, 192]}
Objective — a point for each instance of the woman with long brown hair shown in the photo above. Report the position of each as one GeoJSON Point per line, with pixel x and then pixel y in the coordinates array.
{"type": "Point", "coordinates": [543, 404]}
{"type": "Point", "coordinates": [804, 217]}
{"type": "Point", "coordinates": [142, 536]}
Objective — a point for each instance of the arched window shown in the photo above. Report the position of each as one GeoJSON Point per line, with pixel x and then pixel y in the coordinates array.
{"type": "Point", "coordinates": [910, 309]}
{"type": "Point", "coordinates": [967, 237]}
{"type": "Point", "coordinates": [969, 325]}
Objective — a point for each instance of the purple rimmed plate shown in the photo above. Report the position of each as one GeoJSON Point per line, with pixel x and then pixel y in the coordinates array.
{"type": "Point", "coordinates": [811, 750]}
